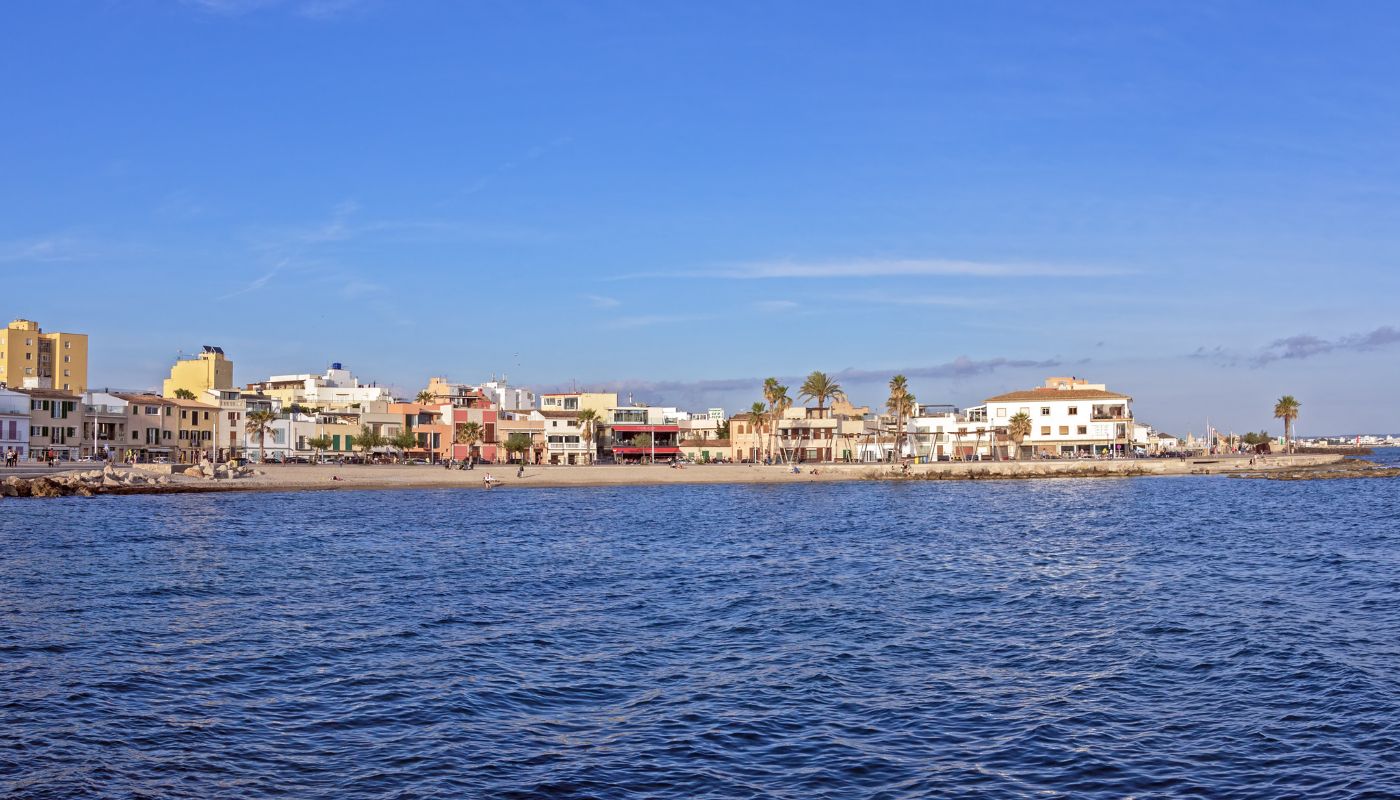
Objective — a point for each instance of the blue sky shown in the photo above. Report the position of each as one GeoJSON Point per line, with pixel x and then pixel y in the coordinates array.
{"type": "Point", "coordinates": [1194, 202]}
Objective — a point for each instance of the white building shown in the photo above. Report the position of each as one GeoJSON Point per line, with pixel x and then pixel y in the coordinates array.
{"type": "Point", "coordinates": [563, 437]}
{"type": "Point", "coordinates": [286, 438]}
{"type": "Point", "coordinates": [14, 422]}
{"type": "Point", "coordinates": [338, 387]}
{"type": "Point", "coordinates": [1068, 416]}
{"type": "Point", "coordinates": [507, 397]}
{"type": "Point", "coordinates": [943, 433]}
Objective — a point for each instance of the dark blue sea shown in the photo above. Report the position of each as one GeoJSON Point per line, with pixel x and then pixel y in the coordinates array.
{"type": "Point", "coordinates": [1113, 638]}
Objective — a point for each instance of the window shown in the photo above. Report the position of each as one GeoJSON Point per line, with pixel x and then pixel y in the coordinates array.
{"type": "Point", "coordinates": [67, 346]}
{"type": "Point", "coordinates": [1001, 412]}
{"type": "Point", "coordinates": [1045, 411]}
{"type": "Point", "coordinates": [1064, 430]}
{"type": "Point", "coordinates": [67, 359]}
{"type": "Point", "coordinates": [1044, 430]}
{"type": "Point", "coordinates": [1073, 411]}
{"type": "Point", "coordinates": [67, 374]}
{"type": "Point", "coordinates": [1083, 430]}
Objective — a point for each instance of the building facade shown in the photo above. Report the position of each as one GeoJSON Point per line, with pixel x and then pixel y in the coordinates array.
{"type": "Point", "coordinates": [31, 358]}
{"type": "Point", "coordinates": [1069, 417]}
{"type": "Point", "coordinates": [209, 370]}
{"type": "Point", "coordinates": [14, 422]}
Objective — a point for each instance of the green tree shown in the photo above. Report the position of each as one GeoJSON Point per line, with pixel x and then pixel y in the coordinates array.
{"type": "Point", "coordinates": [722, 429]}
{"type": "Point", "coordinates": [758, 418]}
{"type": "Point", "coordinates": [319, 444]}
{"type": "Point", "coordinates": [468, 433]}
{"type": "Point", "coordinates": [588, 421]}
{"type": "Point", "coordinates": [403, 441]}
{"type": "Point", "coordinates": [1018, 428]}
{"type": "Point", "coordinates": [517, 443]}
{"type": "Point", "coordinates": [1286, 409]}
{"type": "Point", "coordinates": [901, 405]}
{"type": "Point", "coordinates": [424, 397]}
{"type": "Point", "coordinates": [368, 439]}
{"type": "Point", "coordinates": [259, 423]}
{"type": "Point", "coordinates": [820, 387]}
{"type": "Point", "coordinates": [778, 403]}
{"type": "Point", "coordinates": [642, 440]}
{"type": "Point", "coordinates": [184, 394]}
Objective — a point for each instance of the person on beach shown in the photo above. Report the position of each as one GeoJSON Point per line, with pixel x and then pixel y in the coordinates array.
{"type": "Point", "coordinates": [489, 480]}
{"type": "Point", "coordinates": [520, 473]}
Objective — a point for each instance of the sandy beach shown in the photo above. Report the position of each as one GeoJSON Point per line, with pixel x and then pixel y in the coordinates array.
{"type": "Point", "coordinates": [308, 477]}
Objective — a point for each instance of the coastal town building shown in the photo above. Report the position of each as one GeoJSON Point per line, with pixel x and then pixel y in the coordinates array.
{"type": "Point", "coordinates": [564, 439]}
{"type": "Point", "coordinates": [527, 428]}
{"type": "Point", "coordinates": [643, 434]}
{"type": "Point", "coordinates": [104, 426]}
{"type": "Point", "coordinates": [208, 370]}
{"type": "Point", "coordinates": [1069, 416]}
{"type": "Point", "coordinates": [337, 388]}
{"type": "Point", "coordinates": [599, 402]}
{"type": "Point", "coordinates": [33, 359]}
{"type": "Point", "coordinates": [195, 424]}
{"type": "Point", "coordinates": [14, 422]}
{"type": "Point", "coordinates": [55, 423]}
{"type": "Point", "coordinates": [819, 434]}
{"type": "Point", "coordinates": [748, 441]}
{"type": "Point", "coordinates": [152, 431]}
{"type": "Point", "coordinates": [482, 449]}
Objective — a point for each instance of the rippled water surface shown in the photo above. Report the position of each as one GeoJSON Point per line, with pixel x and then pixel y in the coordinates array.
{"type": "Point", "coordinates": [1196, 637]}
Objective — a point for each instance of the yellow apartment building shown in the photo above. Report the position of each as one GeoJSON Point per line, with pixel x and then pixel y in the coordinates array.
{"type": "Point", "coordinates": [37, 360]}
{"type": "Point", "coordinates": [198, 374]}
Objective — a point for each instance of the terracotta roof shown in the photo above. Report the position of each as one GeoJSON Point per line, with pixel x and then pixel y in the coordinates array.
{"type": "Point", "coordinates": [148, 399]}
{"type": "Point", "coordinates": [1056, 394]}
{"type": "Point", "coordinates": [50, 393]}
{"type": "Point", "coordinates": [560, 414]}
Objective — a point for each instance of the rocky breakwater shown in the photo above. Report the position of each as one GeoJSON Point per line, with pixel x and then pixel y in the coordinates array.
{"type": "Point", "coordinates": [1350, 468]}
{"type": "Point", "coordinates": [111, 480]}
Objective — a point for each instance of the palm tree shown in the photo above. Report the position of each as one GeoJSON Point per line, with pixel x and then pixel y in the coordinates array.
{"type": "Point", "coordinates": [259, 423]}
{"type": "Point", "coordinates": [820, 387]}
{"type": "Point", "coordinates": [1286, 409]}
{"type": "Point", "coordinates": [758, 416]}
{"type": "Point", "coordinates": [424, 398]}
{"type": "Point", "coordinates": [468, 433]}
{"type": "Point", "coordinates": [900, 404]}
{"type": "Point", "coordinates": [778, 403]}
{"type": "Point", "coordinates": [588, 420]}
{"type": "Point", "coordinates": [1018, 428]}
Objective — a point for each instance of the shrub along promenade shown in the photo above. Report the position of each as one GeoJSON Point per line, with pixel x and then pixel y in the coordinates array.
{"type": "Point", "coordinates": [301, 477]}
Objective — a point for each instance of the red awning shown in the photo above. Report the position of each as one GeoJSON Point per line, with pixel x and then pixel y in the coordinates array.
{"type": "Point", "coordinates": [646, 451]}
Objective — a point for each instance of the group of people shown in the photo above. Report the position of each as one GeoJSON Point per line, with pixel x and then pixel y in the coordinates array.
{"type": "Point", "coordinates": [11, 457]}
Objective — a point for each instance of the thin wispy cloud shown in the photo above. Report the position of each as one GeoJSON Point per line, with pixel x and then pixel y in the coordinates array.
{"type": "Point", "coordinates": [883, 268]}
{"type": "Point", "coordinates": [933, 300]}
{"type": "Point", "coordinates": [776, 305]}
{"type": "Point", "coordinates": [1303, 346]}
{"type": "Point", "coordinates": [600, 301]}
{"type": "Point", "coordinates": [310, 9]}
{"type": "Point", "coordinates": [46, 249]}
{"type": "Point", "coordinates": [257, 283]}
{"type": "Point", "coordinates": [505, 167]}
{"type": "Point", "coordinates": [701, 392]}
{"type": "Point", "coordinates": [650, 320]}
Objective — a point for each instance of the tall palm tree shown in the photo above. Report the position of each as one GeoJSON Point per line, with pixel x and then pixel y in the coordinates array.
{"type": "Point", "coordinates": [259, 423]}
{"type": "Point", "coordinates": [588, 420]}
{"type": "Point", "coordinates": [424, 398]}
{"type": "Point", "coordinates": [758, 416]}
{"type": "Point", "coordinates": [778, 404]}
{"type": "Point", "coordinates": [1286, 409]}
{"type": "Point", "coordinates": [1018, 428]}
{"type": "Point", "coordinates": [820, 387]}
{"type": "Point", "coordinates": [468, 433]}
{"type": "Point", "coordinates": [900, 404]}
